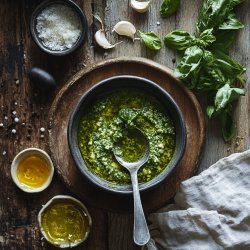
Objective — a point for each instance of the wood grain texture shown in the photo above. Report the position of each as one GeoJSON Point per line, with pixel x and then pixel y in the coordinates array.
{"type": "Point", "coordinates": [18, 53]}
{"type": "Point", "coordinates": [66, 101]}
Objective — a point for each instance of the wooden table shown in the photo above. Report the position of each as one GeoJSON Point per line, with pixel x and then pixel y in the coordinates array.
{"type": "Point", "coordinates": [18, 54]}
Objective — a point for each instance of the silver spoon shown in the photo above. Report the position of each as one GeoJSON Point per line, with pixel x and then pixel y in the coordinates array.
{"type": "Point", "coordinates": [141, 232]}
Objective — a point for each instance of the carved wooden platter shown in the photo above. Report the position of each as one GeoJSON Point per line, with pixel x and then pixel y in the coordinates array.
{"type": "Point", "coordinates": [68, 97]}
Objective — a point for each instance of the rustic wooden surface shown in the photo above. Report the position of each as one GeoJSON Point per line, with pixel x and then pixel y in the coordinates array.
{"type": "Point", "coordinates": [18, 53]}
{"type": "Point", "coordinates": [59, 116]}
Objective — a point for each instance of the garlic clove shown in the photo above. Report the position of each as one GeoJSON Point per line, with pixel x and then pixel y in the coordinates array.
{"type": "Point", "coordinates": [125, 28]}
{"type": "Point", "coordinates": [100, 36]}
{"type": "Point", "coordinates": [140, 7]}
{"type": "Point", "coordinates": [102, 40]}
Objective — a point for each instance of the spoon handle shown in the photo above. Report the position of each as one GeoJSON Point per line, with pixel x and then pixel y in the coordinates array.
{"type": "Point", "coordinates": [141, 233]}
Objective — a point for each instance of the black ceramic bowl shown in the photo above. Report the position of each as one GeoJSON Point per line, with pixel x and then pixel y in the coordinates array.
{"type": "Point", "coordinates": [35, 35]}
{"type": "Point", "coordinates": [105, 87]}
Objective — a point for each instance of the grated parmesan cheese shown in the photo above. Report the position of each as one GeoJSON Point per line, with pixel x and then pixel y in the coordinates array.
{"type": "Point", "coordinates": [58, 27]}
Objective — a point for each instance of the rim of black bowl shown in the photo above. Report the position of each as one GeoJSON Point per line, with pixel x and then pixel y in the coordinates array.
{"type": "Point", "coordinates": [142, 84]}
{"type": "Point", "coordinates": [38, 41]}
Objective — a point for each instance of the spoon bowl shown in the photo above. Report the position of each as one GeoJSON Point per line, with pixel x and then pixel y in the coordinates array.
{"type": "Point", "coordinates": [135, 140]}
{"type": "Point", "coordinates": [125, 152]}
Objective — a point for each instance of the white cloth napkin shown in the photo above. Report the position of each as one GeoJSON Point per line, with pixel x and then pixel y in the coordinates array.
{"type": "Point", "coordinates": [211, 210]}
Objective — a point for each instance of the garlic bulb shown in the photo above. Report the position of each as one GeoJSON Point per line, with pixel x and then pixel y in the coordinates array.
{"type": "Point", "coordinates": [140, 7]}
{"type": "Point", "coordinates": [125, 28]}
{"type": "Point", "coordinates": [100, 36]}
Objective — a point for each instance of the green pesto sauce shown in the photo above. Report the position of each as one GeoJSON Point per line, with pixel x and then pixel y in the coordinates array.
{"type": "Point", "coordinates": [105, 124]}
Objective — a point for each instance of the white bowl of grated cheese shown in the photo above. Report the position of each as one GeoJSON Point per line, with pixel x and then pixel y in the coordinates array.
{"type": "Point", "coordinates": [58, 27]}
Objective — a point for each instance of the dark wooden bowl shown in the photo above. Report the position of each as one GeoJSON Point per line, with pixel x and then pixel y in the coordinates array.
{"type": "Point", "coordinates": [106, 87]}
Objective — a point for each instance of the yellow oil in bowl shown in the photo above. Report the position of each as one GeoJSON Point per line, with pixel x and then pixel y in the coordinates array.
{"type": "Point", "coordinates": [33, 171]}
{"type": "Point", "coordinates": [64, 221]}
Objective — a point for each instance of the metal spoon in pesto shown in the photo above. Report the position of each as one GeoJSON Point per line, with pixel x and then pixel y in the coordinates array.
{"type": "Point", "coordinates": [132, 151]}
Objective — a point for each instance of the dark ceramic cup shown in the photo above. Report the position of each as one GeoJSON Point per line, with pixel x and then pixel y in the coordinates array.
{"type": "Point", "coordinates": [78, 12]}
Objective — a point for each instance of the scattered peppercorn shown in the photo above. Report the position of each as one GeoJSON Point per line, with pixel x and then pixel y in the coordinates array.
{"type": "Point", "coordinates": [42, 130]}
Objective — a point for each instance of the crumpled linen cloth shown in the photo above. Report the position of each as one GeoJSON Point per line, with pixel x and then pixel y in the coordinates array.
{"type": "Point", "coordinates": [211, 210]}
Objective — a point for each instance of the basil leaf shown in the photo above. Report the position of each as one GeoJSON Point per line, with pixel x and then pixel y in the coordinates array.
{"type": "Point", "coordinates": [232, 69]}
{"type": "Point", "coordinates": [208, 57]}
{"type": "Point", "coordinates": [211, 78]}
{"type": "Point", "coordinates": [169, 7]}
{"type": "Point", "coordinates": [205, 38]}
{"type": "Point", "coordinates": [214, 13]}
{"type": "Point", "coordinates": [231, 23]}
{"type": "Point", "coordinates": [224, 38]}
{"type": "Point", "coordinates": [151, 40]}
{"type": "Point", "coordinates": [210, 111]}
{"type": "Point", "coordinates": [226, 95]}
{"type": "Point", "coordinates": [190, 64]}
{"type": "Point", "coordinates": [217, 70]}
{"type": "Point", "coordinates": [227, 126]}
{"type": "Point", "coordinates": [179, 39]}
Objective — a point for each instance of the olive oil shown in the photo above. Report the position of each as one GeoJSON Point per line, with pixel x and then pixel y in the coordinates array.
{"type": "Point", "coordinates": [33, 171]}
{"type": "Point", "coordinates": [64, 223]}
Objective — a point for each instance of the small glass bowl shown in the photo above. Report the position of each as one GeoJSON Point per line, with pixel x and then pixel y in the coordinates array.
{"type": "Point", "coordinates": [34, 32]}
{"type": "Point", "coordinates": [24, 154]}
{"type": "Point", "coordinates": [79, 205]}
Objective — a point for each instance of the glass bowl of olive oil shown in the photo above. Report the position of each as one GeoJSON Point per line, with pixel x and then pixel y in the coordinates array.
{"type": "Point", "coordinates": [32, 170]}
{"type": "Point", "coordinates": [64, 221]}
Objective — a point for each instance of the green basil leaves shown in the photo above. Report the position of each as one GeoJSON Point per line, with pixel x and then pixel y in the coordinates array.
{"type": "Point", "coordinates": [151, 40]}
{"type": "Point", "coordinates": [169, 7]}
{"type": "Point", "coordinates": [231, 23]}
{"type": "Point", "coordinates": [189, 66]}
{"type": "Point", "coordinates": [179, 40]}
{"type": "Point", "coordinates": [205, 64]}
{"type": "Point", "coordinates": [214, 13]}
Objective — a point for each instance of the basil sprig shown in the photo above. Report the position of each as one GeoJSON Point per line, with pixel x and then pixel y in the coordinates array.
{"type": "Point", "coordinates": [215, 13]}
{"type": "Point", "coordinates": [205, 64]}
